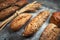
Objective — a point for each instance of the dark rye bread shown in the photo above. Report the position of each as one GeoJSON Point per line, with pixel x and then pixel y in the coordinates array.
{"type": "Point", "coordinates": [7, 12]}
{"type": "Point", "coordinates": [6, 3]}
{"type": "Point", "coordinates": [50, 33]}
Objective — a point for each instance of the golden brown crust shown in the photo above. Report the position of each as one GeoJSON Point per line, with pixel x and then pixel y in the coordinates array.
{"type": "Point", "coordinates": [19, 21]}
{"type": "Point", "coordinates": [7, 12]}
{"type": "Point", "coordinates": [21, 3]}
{"type": "Point", "coordinates": [55, 18]}
{"type": "Point", "coordinates": [10, 10]}
{"type": "Point", "coordinates": [35, 23]}
{"type": "Point", "coordinates": [6, 3]}
{"type": "Point", "coordinates": [50, 33]}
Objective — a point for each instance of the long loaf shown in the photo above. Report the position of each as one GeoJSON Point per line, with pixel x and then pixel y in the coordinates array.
{"type": "Point", "coordinates": [6, 4]}
{"type": "Point", "coordinates": [10, 10]}
{"type": "Point", "coordinates": [21, 3]}
{"type": "Point", "coordinates": [50, 33]}
{"type": "Point", "coordinates": [19, 21]}
{"type": "Point", "coordinates": [36, 23]}
{"type": "Point", "coordinates": [7, 12]}
{"type": "Point", "coordinates": [17, 13]}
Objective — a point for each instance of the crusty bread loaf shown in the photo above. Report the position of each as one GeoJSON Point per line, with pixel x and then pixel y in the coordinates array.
{"type": "Point", "coordinates": [7, 12]}
{"type": "Point", "coordinates": [10, 10]}
{"type": "Point", "coordinates": [55, 18]}
{"type": "Point", "coordinates": [21, 3]}
{"type": "Point", "coordinates": [6, 3]}
{"type": "Point", "coordinates": [50, 33]}
{"type": "Point", "coordinates": [19, 21]}
{"type": "Point", "coordinates": [2, 1]}
{"type": "Point", "coordinates": [36, 23]}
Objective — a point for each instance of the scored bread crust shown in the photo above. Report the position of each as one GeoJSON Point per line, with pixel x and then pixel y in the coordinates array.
{"type": "Point", "coordinates": [6, 3]}
{"type": "Point", "coordinates": [11, 9]}
{"type": "Point", "coordinates": [50, 33]}
{"type": "Point", "coordinates": [36, 23]}
{"type": "Point", "coordinates": [7, 12]}
{"type": "Point", "coordinates": [21, 3]}
{"type": "Point", "coordinates": [19, 21]}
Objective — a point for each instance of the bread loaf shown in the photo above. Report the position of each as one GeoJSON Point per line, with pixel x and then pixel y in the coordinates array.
{"type": "Point", "coordinates": [6, 3]}
{"type": "Point", "coordinates": [21, 3]}
{"type": "Point", "coordinates": [55, 18]}
{"type": "Point", "coordinates": [50, 33]}
{"type": "Point", "coordinates": [36, 23]}
{"type": "Point", "coordinates": [7, 12]}
{"type": "Point", "coordinates": [19, 21]}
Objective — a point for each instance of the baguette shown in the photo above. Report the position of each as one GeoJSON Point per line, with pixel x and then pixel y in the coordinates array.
{"type": "Point", "coordinates": [50, 33]}
{"type": "Point", "coordinates": [36, 23]}
{"type": "Point", "coordinates": [7, 12]}
{"type": "Point", "coordinates": [6, 4]}
{"type": "Point", "coordinates": [19, 21]}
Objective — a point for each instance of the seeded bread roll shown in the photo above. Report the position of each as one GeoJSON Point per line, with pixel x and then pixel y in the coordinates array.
{"type": "Point", "coordinates": [36, 23]}
{"type": "Point", "coordinates": [7, 12]}
{"type": "Point", "coordinates": [19, 21]}
{"type": "Point", "coordinates": [50, 33]}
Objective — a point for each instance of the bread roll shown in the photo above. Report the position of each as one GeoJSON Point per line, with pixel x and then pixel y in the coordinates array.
{"type": "Point", "coordinates": [36, 23]}
{"type": "Point", "coordinates": [50, 33]}
{"type": "Point", "coordinates": [19, 21]}
{"type": "Point", "coordinates": [55, 18]}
